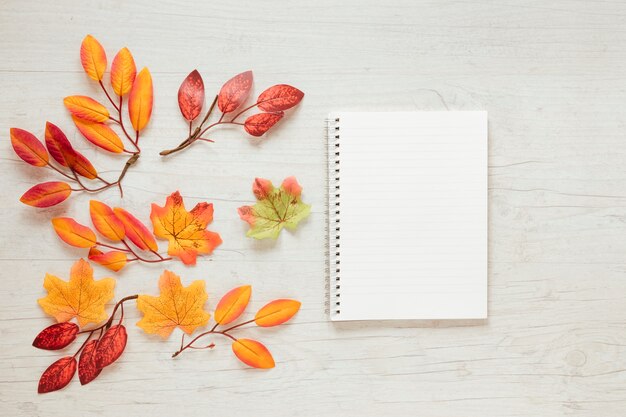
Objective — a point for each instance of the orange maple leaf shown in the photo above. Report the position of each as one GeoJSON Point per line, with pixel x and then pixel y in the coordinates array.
{"type": "Point", "coordinates": [176, 306]}
{"type": "Point", "coordinates": [81, 297]}
{"type": "Point", "coordinates": [185, 230]}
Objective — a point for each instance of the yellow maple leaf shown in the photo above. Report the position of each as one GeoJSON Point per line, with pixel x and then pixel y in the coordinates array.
{"type": "Point", "coordinates": [185, 230]}
{"type": "Point", "coordinates": [176, 306]}
{"type": "Point", "coordinates": [81, 297]}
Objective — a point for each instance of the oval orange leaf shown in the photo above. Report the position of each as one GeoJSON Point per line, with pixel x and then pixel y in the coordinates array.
{"type": "Point", "coordinates": [113, 260]}
{"type": "Point", "coordinates": [140, 100]}
{"type": "Point", "coordinates": [58, 375]}
{"type": "Point", "coordinates": [253, 353]}
{"type": "Point", "coordinates": [46, 194]}
{"type": "Point", "coordinates": [136, 231]}
{"type": "Point", "coordinates": [234, 92]}
{"type": "Point", "coordinates": [105, 221]}
{"type": "Point", "coordinates": [123, 72]}
{"type": "Point", "coordinates": [276, 312]}
{"type": "Point", "coordinates": [82, 166]}
{"type": "Point", "coordinates": [93, 58]}
{"type": "Point", "coordinates": [258, 124]}
{"type": "Point", "coordinates": [59, 147]}
{"type": "Point", "coordinates": [86, 108]}
{"type": "Point", "coordinates": [232, 304]}
{"type": "Point", "coordinates": [74, 233]}
{"type": "Point", "coordinates": [100, 135]}
{"type": "Point", "coordinates": [279, 97]}
{"type": "Point", "coordinates": [28, 147]}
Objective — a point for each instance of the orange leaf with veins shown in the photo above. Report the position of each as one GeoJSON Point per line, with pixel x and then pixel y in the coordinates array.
{"type": "Point", "coordinates": [93, 58]}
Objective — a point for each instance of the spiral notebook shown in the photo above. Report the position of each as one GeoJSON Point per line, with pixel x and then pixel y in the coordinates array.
{"type": "Point", "coordinates": [407, 215]}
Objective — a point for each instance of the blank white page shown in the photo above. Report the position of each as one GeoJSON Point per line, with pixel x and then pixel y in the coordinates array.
{"type": "Point", "coordinates": [408, 215]}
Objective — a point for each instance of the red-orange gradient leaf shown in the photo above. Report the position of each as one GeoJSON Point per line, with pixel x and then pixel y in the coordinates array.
{"type": "Point", "coordinates": [140, 100]}
{"type": "Point", "coordinates": [234, 92]}
{"type": "Point", "coordinates": [113, 260]}
{"type": "Point", "coordinates": [253, 353]}
{"type": "Point", "coordinates": [46, 194]}
{"type": "Point", "coordinates": [123, 72]}
{"type": "Point", "coordinates": [105, 221]}
{"type": "Point", "coordinates": [58, 375]}
{"type": "Point", "coordinates": [59, 147]}
{"type": "Point", "coordinates": [276, 312]}
{"type": "Point", "coordinates": [87, 370]}
{"type": "Point", "coordinates": [111, 346]}
{"type": "Point", "coordinates": [136, 231]}
{"type": "Point", "coordinates": [279, 97]}
{"type": "Point", "coordinates": [74, 233]}
{"type": "Point", "coordinates": [100, 135]}
{"type": "Point", "coordinates": [28, 147]}
{"type": "Point", "coordinates": [82, 166]}
{"type": "Point", "coordinates": [56, 337]}
{"type": "Point", "coordinates": [232, 304]}
{"type": "Point", "coordinates": [258, 124]}
{"type": "Point", "coordinates": [93, 58]}
{"type": "Point", "coordinates": [191, 95]}
{"type": "Point", "coordinates": [86, 108]}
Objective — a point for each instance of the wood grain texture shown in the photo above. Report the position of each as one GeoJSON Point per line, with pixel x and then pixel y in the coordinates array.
{"type": "Point", "coordinates": [551, 75]}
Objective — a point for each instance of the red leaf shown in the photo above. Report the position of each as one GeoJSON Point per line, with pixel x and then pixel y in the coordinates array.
{"type": "Point", "coordinates": [28, 147]}
{"type": "Point", "coordinates": [56, 336]}
{"type": "Point", "coordinates": [87, 370]}
{"type": "Point", "coordinates": [279, 97]}
{"type": "Point", "coordinates": [258, 124]}
{"type": "Point", "coordinates": [58, 375]}
{"type": "Point", "coordinates": [191, 95]}
{"type": "Point", "coordinates": [111, 346]}
{"type": "Point", "coordinates": [59, 147]}
{"type": "Point", "coordinates": [234, 92]}
{"type": "Point", "coordinates": [46, 194]}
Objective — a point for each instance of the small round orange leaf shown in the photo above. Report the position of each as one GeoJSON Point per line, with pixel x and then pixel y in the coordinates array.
{"type": "Point", "coordinates": [86, 108]}
{"type": "Point", "coordinates": [253, 353]}
{"type": "Point", "coordinates": [232, 304]}
{"type": "Point", "coordinates": [46, 194]}
{"type": "Point", "coordinates": [106, 222]}
{"type": "Point", "coordinates": [93, 58]}
{"type": "Point", "coordinates": [74, 233]}
{"type": "Point", "coordinates": [276, 312]}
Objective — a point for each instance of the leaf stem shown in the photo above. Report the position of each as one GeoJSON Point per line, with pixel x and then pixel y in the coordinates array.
{"type": "Point", "coordinates": [212, 331]}
{"type": "Point", "coordinates": [107, 324]}
{"type": "Point", "coordinates": [196, 133]}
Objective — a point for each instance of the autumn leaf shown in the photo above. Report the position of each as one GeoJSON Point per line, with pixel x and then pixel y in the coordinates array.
{"type": "Point", "coordinates": [253, 353]}
{"type": "Point", "coordinates": [86, 108]}
{"type": "Point", "coordinates": [81, 297]}
{"type": "Point", "coordinates": [58, 375]}
{"type": "Point", "coordinates": [185, 230]}
{"type": "Point", "coordinates": [46, 194]}
{"type": "Point", "coordinates": [191, 95]}
{"type": "Point", "coordinates": [100, 135]}
{"type": "Point", "coordinates": [87, 370]}
{"type": "Point", "coordinates": [113, 260]}
{"type": "Point", "coordinates": [56, 337]}
{"type": "Point", "coordinates": [232, 304]}
{"type": "Point", "coordinates": [59, 147]}
{"type": "Point", "coordinates": [140, 100]}
{"type": "Point", "coordinates": [234, 92]}
{"type": "Point", "coordinates": [28, 147]}
{"type": "Point", "coordinates": [176, 306]}
{"type": "Point", "coordinates": [111, 346]}
{"type": "Point", "coordinates": [279, 97]}
{"type": "Point", "coordinates": [123, 72]}
{"type": "Point", "coordinates": [258, 124]}
{"type": "Point", "coordinates": [74, 233]}
{"type": "Point", "coordinates": [93, 58]}
{"type": "Point", "coordinates": [276, 208]}
{"type": "Point", "coordinates": [136, 231]}
{"type": "Point", "coordinates": [276, 312]}
{"type": "Point", "coordinates": [105, 221]}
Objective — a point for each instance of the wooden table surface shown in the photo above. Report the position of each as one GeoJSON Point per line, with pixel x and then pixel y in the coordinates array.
{"type": "Point", "coordinates": [550, 74]}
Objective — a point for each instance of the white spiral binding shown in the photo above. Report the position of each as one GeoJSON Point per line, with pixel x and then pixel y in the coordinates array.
{"type": "Point", "coordinates": [334, 274]}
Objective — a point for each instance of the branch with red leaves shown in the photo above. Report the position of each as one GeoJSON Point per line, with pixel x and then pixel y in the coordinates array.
{"type": "Point", "coordinates": [272, 102]}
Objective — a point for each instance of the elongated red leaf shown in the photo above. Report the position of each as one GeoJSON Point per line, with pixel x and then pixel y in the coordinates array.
{"type": "Point", "coordinates": [279, 97]}
{"type": "Point", "coordinates": [58, 375]}
{"type": "Point", "coordinates": [28, 147]}
{"type": "Point", "coordinates": [56, 337]}
{"type": "Point", "coordinates": [59, 147]}
{"type": "Point", "coordinates": [82, 166]}
{"type": "Point", "coordinates": [136, 231]}
{"type": "Point", "coordinates": [258, 124]}
{"type": "Point", "coordinates": [111, 346]}
{"type": "Point", "coordinates": [46, 194]}
{"type": "Point", "coordinates": [234, 92]}
{"type": "Point", "coordinates": [191, 95]}
{"type": "Point", "coordinates": [87, 370]}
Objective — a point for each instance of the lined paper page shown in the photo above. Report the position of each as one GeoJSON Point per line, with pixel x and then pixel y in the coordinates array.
{"type": "Point", "coordinates": [413, 215]}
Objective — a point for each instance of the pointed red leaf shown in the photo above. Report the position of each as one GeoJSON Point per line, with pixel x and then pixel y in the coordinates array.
{"type": "Point", "coordinates": [58, 375]}
{"type": "Point", "coordinates": [59, 147]}
{"type": "Point", "coordinates": [87, 370]}
{"type": "Point", "coordinates": [191, 95]}
{"type": "Point", "coordinates": [111, 346]}
{"type": "Point", "coordinates": [279, 97]}
{"type": "Point", "coordinates": [56, 336]}
{"type": "Point", "coordinates": [28, 147]}
{"type": "Point", "coordinates": [234, 92]}
{"type": "Point", "coordinates": [258, 124]}
{"type": "Point", "coordinates": [46, 194]}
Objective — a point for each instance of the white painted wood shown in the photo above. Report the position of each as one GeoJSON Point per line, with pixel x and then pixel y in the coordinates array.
{"type": "Point", "coordinates": [550, 74]}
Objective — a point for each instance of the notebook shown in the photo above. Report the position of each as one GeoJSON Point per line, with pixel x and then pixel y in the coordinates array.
{"type": "Point", "coordinates": [407, 232]}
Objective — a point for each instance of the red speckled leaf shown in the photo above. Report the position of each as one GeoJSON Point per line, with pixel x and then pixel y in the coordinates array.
{"type": "Point", "coordinates": [279, 97]}
{"type": "Point", "coordinates": [56, 336]}
{"type": "Point", "coordinates": [58, 375]}
{"type": "Point", "coordinates": [87, 370]}
{"type": "Point", "coordinates": [111, 346]}
{"type": "Point", "coordinates": [28, 147]}
{"type": "Point", "coordinates": [258, 124]}
{"type": "Point", "coordinates": [234, 92]}
{"type": "Point", "coordinates": [191, 95]}
{"type": "Point", "coordinates": [46, 194]}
